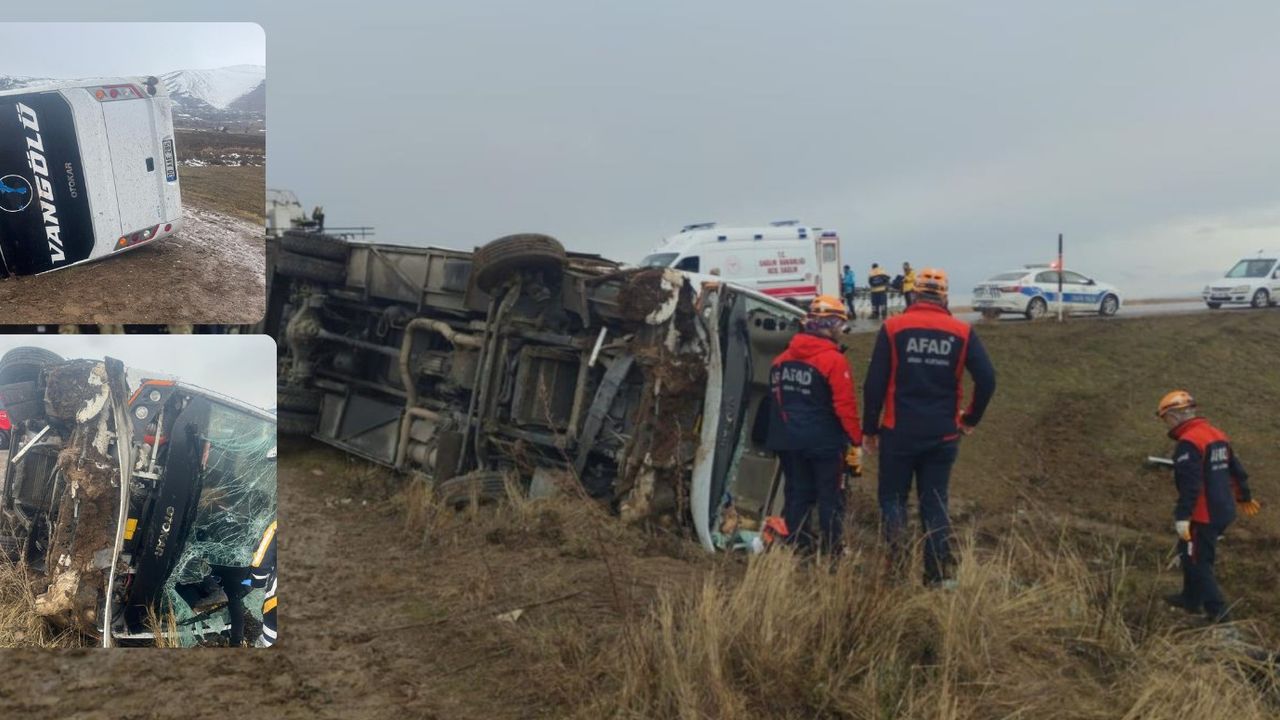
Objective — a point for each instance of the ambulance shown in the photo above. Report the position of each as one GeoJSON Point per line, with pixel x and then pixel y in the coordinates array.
{"type": "Point", "coordinates": [785, 259]}
{"type": "Point", "coordinates": [88, 170]}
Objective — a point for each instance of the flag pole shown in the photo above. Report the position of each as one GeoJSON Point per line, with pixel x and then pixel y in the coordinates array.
{"type": "Point", "coordinates": [1061, 269]}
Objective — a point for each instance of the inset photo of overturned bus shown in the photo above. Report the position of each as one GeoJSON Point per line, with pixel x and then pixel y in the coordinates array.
{"type": "Point", "coordinates": [132, 185]}
{"type": "Point", "coordinates": [133, 504]}
{"type": "Point", "coordinates": [88, 170]}
{"type": "Point", "coordinates": [523, 362]}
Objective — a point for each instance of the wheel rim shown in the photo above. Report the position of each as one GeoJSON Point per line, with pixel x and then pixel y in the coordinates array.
{"type": "Point", "coordinates": [1109, 306]}
{"type": "Point", "coordinates": [1260, 299]}
{"type": "Point", "coordinates": [1038, 308]}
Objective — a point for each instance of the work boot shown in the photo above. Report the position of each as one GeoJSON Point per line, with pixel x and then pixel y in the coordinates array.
{"type": "Point", "coordinates": [1177, 600]}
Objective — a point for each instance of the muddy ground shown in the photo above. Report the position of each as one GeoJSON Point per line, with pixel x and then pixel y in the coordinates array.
{"type": "Point", "coordinates": [213, 271]}
{"type": "Point", "coordinates": [367, 628]}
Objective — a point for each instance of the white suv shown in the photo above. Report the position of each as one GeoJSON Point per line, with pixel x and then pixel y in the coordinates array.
{"type": "Point", "coordinates": [1253, 281]}
{"type": "Point", "coordinates": [1033, 291]}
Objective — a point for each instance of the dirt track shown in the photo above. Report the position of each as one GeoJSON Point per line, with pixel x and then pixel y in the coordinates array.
{"type": "Point", "coordinates": [211, 272]}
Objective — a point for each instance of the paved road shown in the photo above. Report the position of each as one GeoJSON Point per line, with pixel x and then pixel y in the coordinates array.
{"type": "Point", "coordinates": [1129, 311]}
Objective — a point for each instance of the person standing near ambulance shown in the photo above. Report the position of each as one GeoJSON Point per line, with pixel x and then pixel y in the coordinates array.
{"type": "Point", "coordinates": [913, 414]}
{"type": "Point", "coordinates": [879, 281]}
{"type": "Point", "coordinates": [1211, 483]}
{"type": "Point", "coordinates": [813, 425]}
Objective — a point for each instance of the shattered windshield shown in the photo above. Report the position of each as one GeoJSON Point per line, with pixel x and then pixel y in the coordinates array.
{"type": "Point", "coordinates": [237, 500]}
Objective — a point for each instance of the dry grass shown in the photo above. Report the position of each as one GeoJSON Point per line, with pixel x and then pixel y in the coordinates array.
{"type": "Point", "coordinates": [238, 191]}
{"type": "Point", "coordinates": [164, 625]}
{"type": "Point", "coordinates": [1032, 631]}
{"type": "Point", "coordinates": [20, 626]}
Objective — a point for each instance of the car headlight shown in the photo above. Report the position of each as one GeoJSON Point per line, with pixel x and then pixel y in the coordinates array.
{"type": "Point", "coordinates": [1240, 289]}
{"type": "Point", "coordinates": [1206, 290]}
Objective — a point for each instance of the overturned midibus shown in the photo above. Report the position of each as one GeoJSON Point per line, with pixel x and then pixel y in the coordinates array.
{"type": "Point", "coordinates": [522, 361]}
{"type": "Point", "coordinates": [122, 501]}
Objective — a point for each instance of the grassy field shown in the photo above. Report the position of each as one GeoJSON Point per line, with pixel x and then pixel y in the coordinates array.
{"type": "Point", "coordinates": [1066, 542]}
{"type": "Point", "coordinates": [1073, 420]}
{"type": "Point", "coordinates": [551, 608]}
{"type": "Point", "coordinates": [238, 191]}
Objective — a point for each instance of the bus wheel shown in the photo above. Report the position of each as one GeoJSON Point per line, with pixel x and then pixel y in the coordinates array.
{"type": "Point", "coordinates": [24, 364]}
{"type": "Point", "coordinates": [292, 422]}
{"type": "Point", "coordinates": [476, 488]}
{"type": "Point", "coordinates": [317, 245]}
{"type": "Point", "coordinates": [298, 399]}
{"type": "Point", "coordinates": [309, 268]}
{"type": "Point", "coordinates": [497, 261]}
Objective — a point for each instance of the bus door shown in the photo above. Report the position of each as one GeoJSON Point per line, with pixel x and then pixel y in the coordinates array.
{"type": "Point", "coordinates": [137, 162]}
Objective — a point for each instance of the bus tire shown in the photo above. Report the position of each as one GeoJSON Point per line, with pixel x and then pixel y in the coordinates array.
{"type": "Point", "coordinates": [482, 487]}
{"type": "Point", "coordinates": [317, 245]}
{"type": "Point", "coordinates": [497, 261]}
{"type": "Point", "coordinates": [292, 422]}
{"type": "Point", "coordinates": [298, 399]}
{"type": "Point", "coordinates": [309, 268]}
{"type": "Point", "coordinates": [24, 364]}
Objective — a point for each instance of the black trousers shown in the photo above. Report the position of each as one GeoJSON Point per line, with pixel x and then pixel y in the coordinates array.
{"type": "Point", "coordinates": [928, 462]}
{"type": "Point", "coordinates": [1199, 584]}
{"type": "Point", "coordinates": [232, 580]}
{"type": "Point", "coordinates": [814, 479]}
{"type": "Point", "coordinates": [879, 304]}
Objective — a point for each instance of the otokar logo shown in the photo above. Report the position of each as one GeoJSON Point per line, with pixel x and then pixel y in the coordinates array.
{"type": "Point", "coordinates": [929, 346]}
{"type": "Point", "coordinates": [15, 193]}
{"type": "Point", "coordinates": [40, 170]}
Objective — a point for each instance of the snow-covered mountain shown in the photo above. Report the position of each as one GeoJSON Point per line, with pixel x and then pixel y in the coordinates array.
{"type": "Point", "coordinates": [14, 82]}
{"type": "Point", "coordinates": [218, 88]}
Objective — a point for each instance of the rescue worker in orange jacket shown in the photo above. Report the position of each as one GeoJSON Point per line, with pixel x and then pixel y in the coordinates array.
{"type": "Point", "coordinates": [813, 424]}
{"type": "Point", "coordinates": [1211, 484]}
{"type": "Point", "coordinates": [914, 415]}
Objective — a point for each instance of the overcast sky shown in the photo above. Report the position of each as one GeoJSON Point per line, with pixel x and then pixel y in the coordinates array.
{"type": "Point", "coordinates": [75, 50]}
{"type": "Point", "coordinates": [240, 366]}
{"type": "Point", "coordinates": [964, 135]}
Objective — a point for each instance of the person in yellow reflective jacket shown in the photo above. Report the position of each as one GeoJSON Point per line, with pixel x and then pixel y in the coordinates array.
{"type": "Point", "coordinates": [879, 281]}
{"type": "Point", "coordinates": [263, 575]}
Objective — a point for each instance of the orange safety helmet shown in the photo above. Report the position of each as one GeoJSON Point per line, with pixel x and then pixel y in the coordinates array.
{"type": "Point", "coordinates": [932, 280]}
{"type": "Point", "coordinates": [825, 306]}
{"type": "Point", "coordinates": [1176, 400]}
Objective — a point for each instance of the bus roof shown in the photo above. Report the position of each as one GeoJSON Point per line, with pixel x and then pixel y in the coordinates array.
{"type": "Point", "coordinates": [86, 83]}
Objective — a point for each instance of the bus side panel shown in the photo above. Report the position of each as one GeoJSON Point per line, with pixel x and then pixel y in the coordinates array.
{"type": "Point", "coordinates": [45, 221]}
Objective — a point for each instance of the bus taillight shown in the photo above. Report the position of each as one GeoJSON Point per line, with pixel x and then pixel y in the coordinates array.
{"type": "Point", "coordinates": [107, 93]}
{"type": "Point", "coordinates": [138, 237]}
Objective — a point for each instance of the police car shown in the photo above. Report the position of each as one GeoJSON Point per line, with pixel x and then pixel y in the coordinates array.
{"type": "Point", "coordinates": [1033, 292]}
